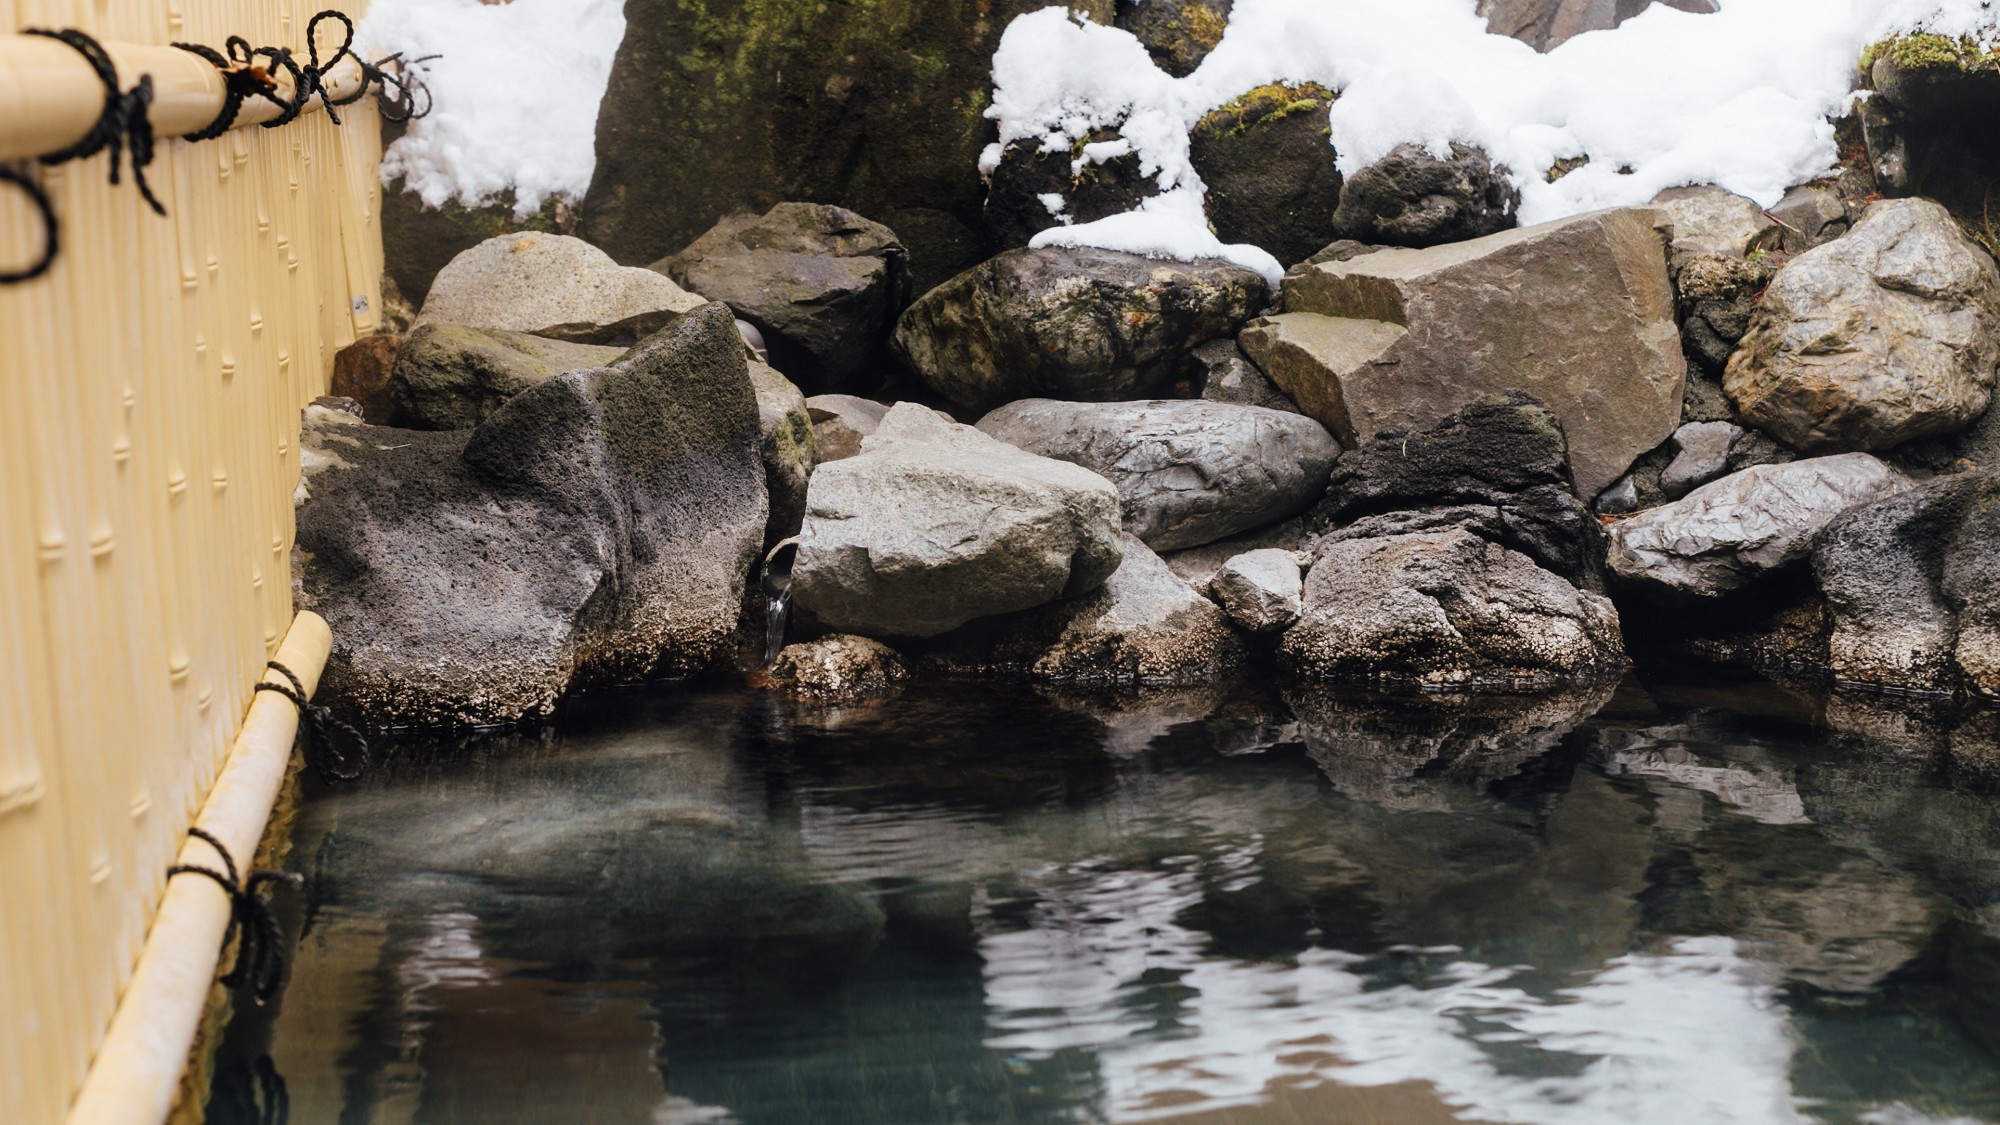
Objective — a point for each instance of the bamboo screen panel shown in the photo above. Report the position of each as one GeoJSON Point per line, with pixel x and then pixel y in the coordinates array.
{"type": "Point", "coordinates": [150, 389]}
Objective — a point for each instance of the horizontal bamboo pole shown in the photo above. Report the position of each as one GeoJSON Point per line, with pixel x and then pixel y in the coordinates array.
{"type": "Point", "coordinates": [134, 1077]}
{"type": "Point", "coordinates": [50, 97]}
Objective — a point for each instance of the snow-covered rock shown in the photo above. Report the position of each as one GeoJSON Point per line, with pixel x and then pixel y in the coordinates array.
{"type": "Point", "coordinates": [1412, 198]}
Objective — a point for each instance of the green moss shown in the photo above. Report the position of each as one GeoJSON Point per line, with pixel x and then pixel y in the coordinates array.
{"type": "Point", "coordinates": [1265, 105]}
{"type": "Point", "coordinates": [1564, 167]}
{"type": "Point", "coordinates": [1929, 52]}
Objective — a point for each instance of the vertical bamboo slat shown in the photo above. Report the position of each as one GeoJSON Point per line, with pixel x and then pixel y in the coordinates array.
{"type": "Point", "coordinates": [150, 388]}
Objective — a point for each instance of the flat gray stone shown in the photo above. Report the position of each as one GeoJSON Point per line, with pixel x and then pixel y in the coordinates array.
{"type": "Point", "coordinates": [556, 286]}
{"type": "Point", "coordinates": [1701, 454]}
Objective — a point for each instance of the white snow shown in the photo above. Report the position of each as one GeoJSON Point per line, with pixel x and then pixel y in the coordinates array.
{"type": "Point", "coordinates": [1740, 97]}
{"type": "Point", "coordinates": [516, 93]}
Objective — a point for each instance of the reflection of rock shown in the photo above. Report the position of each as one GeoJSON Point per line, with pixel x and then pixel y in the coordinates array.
{"type": "Point", "coordinates": [1764, 795]}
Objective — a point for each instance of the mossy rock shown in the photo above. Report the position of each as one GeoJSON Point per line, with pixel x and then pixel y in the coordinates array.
{"type": "Point", "coordinates": [1933, 126]}
{"type": "Point", "coordinates": [1269, 167]}
{"type": "Point", "coordinates": [718, 106]}
{"type": "Point", "coordinates": [1177, 33]}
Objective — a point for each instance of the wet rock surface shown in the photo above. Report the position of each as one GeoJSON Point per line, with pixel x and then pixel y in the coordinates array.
{"type": "Point", "coordinates": [821, 283]}
{"type": "Point", "coordinates": [555, 286]}
{"type": "Point", "coordinates": [1187, 472]}
{"type": "Point", "coordinates": [839, 668]}
{"type": "Point", "coordinates": [1889, 333]}
{"type": "Point", "coordinates": [935, 524]}
{"type": "Point", "coordinates": [1087, 325]}
{"type": "Point", "coordinates": [599, 526]}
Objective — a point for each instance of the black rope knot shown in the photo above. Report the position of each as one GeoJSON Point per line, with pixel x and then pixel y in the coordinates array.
{"type": "Point", "coordinates": [124, 125]}
{"type": "Point", "coordinates": [243, 77]}
{"type": "Point", "coordinates": [260, 950]}
{"type": "Point", "coordinates": [51, 234]}
{"type": "Point", "coordinates": [323, 750]}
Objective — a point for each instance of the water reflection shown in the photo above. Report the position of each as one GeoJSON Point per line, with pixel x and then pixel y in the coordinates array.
{"type": "Point", "coordinates": [1197, 905]}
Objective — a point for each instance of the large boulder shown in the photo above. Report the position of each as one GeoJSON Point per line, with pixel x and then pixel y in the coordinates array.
{"type": "Point", "coordinates": [936, 524]}
{"type": "Point", "coordinates": [1447, 609]}
{"type": "Point", "coordinates": [556, 286]}
{"type": "Point", "coordinates": [451, 377]}
{"type": "Point", "coordinates": [1144, 626]}
{"type": "Point", "coordinates": [1548, 24]}
{"type": "Point", "coordinates": [727, 105]}
{"type": "Point", "coordinates": [1498, 468]}
{"type": "Point", "coordinates": [1577, 313]}
{"type": "Point", "coordinates": [1080, 324]}
{"type": "Point", "coordinates": [1723, 536]}
{"type": "Point", "coordinates": [1889, 333]}
{"type": "Point", "coordinates": [599, 526]}
{"type": "Point", "coordinates": [1912, 585]}
{"type": "Point", "coordinates": [1188, 472]}
{"type": "Point", "coordinates": [1269, 170]}
{"type": "Point", "coordinates": [820, 282]}
{"type": "Point", "coordinates": [1411, 198]}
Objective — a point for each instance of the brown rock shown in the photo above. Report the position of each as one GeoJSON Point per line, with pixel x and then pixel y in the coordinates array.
{"type": "Point", "coordinates": [361, 372]}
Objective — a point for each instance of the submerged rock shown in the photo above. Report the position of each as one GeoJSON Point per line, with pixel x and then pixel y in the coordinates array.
{"type": "Point", "coordinates": [450, 377]}
{"type": "Point", "coordinates": [821, 283]}
{"type": "Point", "coordinates": [1411, 198]}
{"type": "Point", "coordinates": [1889, 333]}
{"type": "Point", "coordinates": [599, 526]}
{"type": "Point", "coordinates": [1723, 536]}
{"type": "Point", "coordinates": [556, 286]}
{"type": "Point", "coordinates": [838, 668]}
{"type": "Point", "coordinates": [936, 524]}
{"type": "Point", "coordinates": [1187, 472]}
{"type": "Point", "coordinates": [1443, 610]}
{"type": "Point", "coordinates": [1577, 313]}
{"type": "Point", "coordinates": [1078, 324]}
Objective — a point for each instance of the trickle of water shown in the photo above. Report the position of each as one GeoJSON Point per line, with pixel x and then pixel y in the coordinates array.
{"type": "Point", "coordinates": [777, 610]}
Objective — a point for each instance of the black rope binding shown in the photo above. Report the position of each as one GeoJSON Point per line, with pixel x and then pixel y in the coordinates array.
{"type": "Point", "coordinates": [20, 178]}
{"type": "Point", "coordinates": [243, 78]}
{"type": "Point", "coordinates": [260, 952]}
{"type": "Point", "coordinates": [123, 127]}
{"type": "Point", "coordinates": [323, 750]}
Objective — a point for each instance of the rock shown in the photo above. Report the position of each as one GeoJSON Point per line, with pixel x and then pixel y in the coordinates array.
{"type": "Point", "coordinates": [1144, 626]}
{"type": "Point", "coordinates": [1548, 24]}
{"type": "Point", "coordinates": [1269, 168]}
{"type": "Point", "coordinates": [1261, 591]}
{"type": "Point", "coordinates": [1809, 216]}
{"type": "Point", "coordinates": [1620, 499]}
{"type": "Point", "coordinates": [1701, 454]}
{"type": "Point", "coordinates": [1078, 324]}
{"type": "Point", "coordinates": [1411, 198]}
{"type": "Point", "coordinates": [1198, 566]}
{"type": "Point", "coordinates": [1889, 333]}
{"type": "Point", "coordinates": [820, 283]}
{"type": "Point", "coordinates": [839, 668]}
{"type": "Point", "coordinates": [840, 422]}
{"type": "Point", "coordinates": [361, 372]}
{"type": "Point", "coordinates": [1723, 536]}
{"type": "Point", "coordinates": [1033, 189]}
{"type": "Point", "coordinates": [1577, 313]}
{"type": "Point", "coordinates": [552, 285]}
{"type": "Point", "coordinates": [1498, 468]}
{"type": "Point", "coordinates": [419, 240]}
{"type": "Point", "coordinates": [599, 526]}
{"type": "Point", "coordinates": [1703, 401]}
{"type": "Point", "coordinates": [1717, 294]}
{"type": "Point", "coordinates": [727, 105]}
{"type": "Point", "coordinates": [1227, 375]}
{"type": "Point", "coordinates": [1710, 220]}
{"type": "Point", "coordinates": [450, 377]}
{"type": "Point", "coordinates": [1447, 609]}
{"type": "Point", "coordinates": [1912, 584]}
{"type": "Point", "coordinates": [936, 524]}
{"type": "Point", "coordinates": [1177, 33]}
{"type": "Point", "coordinates": [786, 445]}
{"type": "Point", "coordinates": [1188, 472]}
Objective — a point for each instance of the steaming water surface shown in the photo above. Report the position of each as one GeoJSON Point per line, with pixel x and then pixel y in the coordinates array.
{"type": "Point", "coordinates": [979, 904]}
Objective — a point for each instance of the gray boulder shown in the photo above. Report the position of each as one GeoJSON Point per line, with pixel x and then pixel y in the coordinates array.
{"type": "Point", "coordinates": [936, 524]}
{"type": "Point", "coordinates": [1723, 536]}
{"type": "Point", "coordinates": [1889, 333]}
{"type": "Point", "coordinates": [450, 377]}
{"type": "Point", "coordinates": [1447, 609]}
{"type": "Point", "coordinates": [556, 286]}
{"type": "Point", "coordinates": [787, 446]}
{"type": "Point", "coordinates": [1912, 585]}
{"type": "Point", "coordinates": [1261, 591]}
{"type": "Point", "coordinates": [1548, 24]}
{"type": "Point", "coordinates": [821, 283]}
{"type": "Point", "coordinates": [1144, 626]}
{"type": "Point", "coordinates": [1577, 313]}
{"type": "Point", "coordinates": [1710, 220]}
{"type": "Point", "coordinates": [1701, 454]}
{"type": "Point", "coordinates": [1227, 375]}
{"type": "Point", "coordinates": [839, 669]}
{"type": "Point", "coordinates": [1411, 198]}
{"type": "Point", "coordinates": [1078, 324]}
{"type": "Point", "coordinates": [1188, 472]}
{"type": "Point", "coordinates": [1810, 216]}
{"type": "Point", "coordinates": [599, 526]}
{"type": "Point", "coordinates": [840, 422]}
